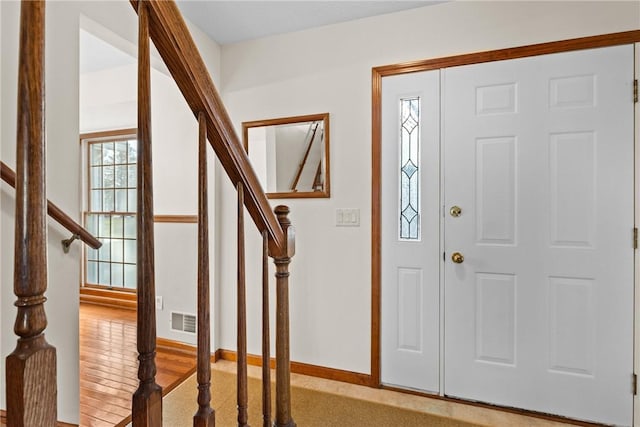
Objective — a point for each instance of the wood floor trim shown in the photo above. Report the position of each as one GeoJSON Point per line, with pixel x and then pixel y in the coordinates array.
{"type": "Point", "coordinates": [108, 298]}
{"type": "Point", "coordinates": [301, 368]}
{"type": "Point", "coordinates": [172, 346]}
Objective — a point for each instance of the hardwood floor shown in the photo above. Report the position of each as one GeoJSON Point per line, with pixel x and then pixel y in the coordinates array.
{"type": "Point", "coordinates": [109, 366]}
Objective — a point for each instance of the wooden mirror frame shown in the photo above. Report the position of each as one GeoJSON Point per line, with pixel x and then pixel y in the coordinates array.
{"type": "Point", "coordinates": [325, 192]}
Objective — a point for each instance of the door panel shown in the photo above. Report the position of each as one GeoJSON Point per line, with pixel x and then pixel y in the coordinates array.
{"type": "Point", "coordinates": [538, 153]}
{"type": "Point", "coordinates": [410, 233]}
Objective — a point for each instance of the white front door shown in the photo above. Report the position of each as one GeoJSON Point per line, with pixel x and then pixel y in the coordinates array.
{"type": "Point", "coordinates": [538, 155]}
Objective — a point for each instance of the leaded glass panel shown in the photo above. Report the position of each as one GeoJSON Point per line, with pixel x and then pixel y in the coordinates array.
{"type": "Point", "coordinates": [409, 168]}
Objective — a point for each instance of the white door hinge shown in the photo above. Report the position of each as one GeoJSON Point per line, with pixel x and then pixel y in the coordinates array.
{"type": "Point", "coordinates": [635, 238]}
{"type": "Point", "coordinates": [635, 91]}
{"type": "Point", "coordinates": [634, 386]}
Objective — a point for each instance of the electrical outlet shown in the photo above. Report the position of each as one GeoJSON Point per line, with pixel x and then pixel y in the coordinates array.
{"type": "Point", "coordinates": [158, 303]}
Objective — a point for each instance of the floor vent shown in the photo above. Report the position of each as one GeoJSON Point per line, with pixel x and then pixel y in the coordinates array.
{"type": "Point", "coordinates": [183, 322]}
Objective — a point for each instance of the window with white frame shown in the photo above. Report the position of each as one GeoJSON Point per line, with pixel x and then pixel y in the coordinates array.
{"type": "Point", "coordinates": [111, 163]}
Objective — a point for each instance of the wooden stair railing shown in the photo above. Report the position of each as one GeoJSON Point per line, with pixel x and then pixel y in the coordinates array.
{"type": "Point", "coordinates": [162, 22]}
{"type": "Point", "coordinates": [9, 176]}
{"type": "Point", "coordinates": [147, 400]}
{"type": "Point", "coordinates": [31, 368]}
{"type": "Point", "coordinates": [205, 416]}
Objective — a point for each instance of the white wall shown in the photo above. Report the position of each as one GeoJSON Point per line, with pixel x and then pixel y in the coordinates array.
{"type": "Point", "coordinates": [329, 69]}
{"type": "Point", "coordinates": [63, 171]}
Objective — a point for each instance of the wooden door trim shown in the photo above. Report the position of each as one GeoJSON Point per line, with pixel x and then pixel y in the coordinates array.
{"type": "Point", "coordinates": [605, 40]}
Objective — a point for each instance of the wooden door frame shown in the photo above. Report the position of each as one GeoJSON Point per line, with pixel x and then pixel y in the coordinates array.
{"type": "Point", "coordinates": [605, 40]}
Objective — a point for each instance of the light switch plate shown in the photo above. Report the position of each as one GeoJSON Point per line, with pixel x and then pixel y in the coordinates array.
{"type": "Point", "coordinates": [347, 217]}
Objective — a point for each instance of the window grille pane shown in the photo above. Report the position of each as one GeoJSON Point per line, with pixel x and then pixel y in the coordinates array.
{"type": "Point", "coordinates": [96, 177]}
{"type": "Point", "coordinates": [95, 154]}
{"type": "Point", "coordinates": [92, 272]}
{"type": "Point", "coordinates": [117, 250]}
{"type": "Point", "coordinates": [117, 226]}
{"type": "Point", "coordinates": [96, 200]}
{"type": "Point", "coordinates": [104, 273]}
{"type": "Point", "coordinates": [104, 253]}
{"type": "Point", "coordinates": [121, 201]}
{"type": "Point", "coordinates": [108, 202]}
{"type": "Point", "coordinates": [409, 167]}
{"type": "Point", "coordinates": [108, 153]}
{"type": "Point", "coordinates": [104, 226]}
{"type": "Point", "coordinates": [130, 276]}
{"type": "Point", "coordinates": [122, 147]}
{"type": "Point", "coordinates": [121, 176]}
{"type": "Point", "coordinates": [133, 151]}
{"type": "Point", "coordinates": [117, 275]}
{"type": "Point", "coordinates": [130, 227]}
{"type": "Point", "coordinates": [133, 176]}
{"type": "Point", "coordinates": [133, 201]}
{"type": "Point", "coordinates": [130, 251]}
{"type": "Point", "coordinates": [107, 177]}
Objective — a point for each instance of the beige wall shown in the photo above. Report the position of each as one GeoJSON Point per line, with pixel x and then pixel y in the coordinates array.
{"type": "Point", "coordinates": [329, 69]}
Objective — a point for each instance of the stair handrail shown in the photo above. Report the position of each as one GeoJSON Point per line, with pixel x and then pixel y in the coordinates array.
{"type": "Point", "coordinates": [173, 41]}
{"type": "Point", "coordinates": [9, 176]}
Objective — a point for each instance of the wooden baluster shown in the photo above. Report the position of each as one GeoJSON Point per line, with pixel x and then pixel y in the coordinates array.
{"type": "Point", "coordinates": [266, 344]}
{"type": "Point", "coordinates": [283, 368]}
{"type": "Point", "coordinates": [147, 400]}
{"type": "Point", "coordinates": [205, 417]}
{"type": "Point", "coordinates": [243, 417]}
{"type": "Point", "coordinates": [31, 368]}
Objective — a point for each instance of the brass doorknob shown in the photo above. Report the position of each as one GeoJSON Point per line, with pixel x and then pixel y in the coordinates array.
{"type": "Point", "coordinates": [455, 211]}
{"type": "Point", "coordinates": [457, 257]}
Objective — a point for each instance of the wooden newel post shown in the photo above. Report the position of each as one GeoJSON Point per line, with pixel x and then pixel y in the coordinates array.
{"type": "Point", "coordinates": [31, 368]}
{"type": "Point", "coordinates": [283, 366]}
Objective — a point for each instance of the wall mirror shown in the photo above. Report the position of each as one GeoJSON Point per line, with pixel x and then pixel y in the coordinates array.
{"type": "Point", "coordinates": [290, 155]}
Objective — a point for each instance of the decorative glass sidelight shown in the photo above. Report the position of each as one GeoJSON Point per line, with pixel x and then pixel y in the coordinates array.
{"type": "Point", "coordinates": [409, 167]}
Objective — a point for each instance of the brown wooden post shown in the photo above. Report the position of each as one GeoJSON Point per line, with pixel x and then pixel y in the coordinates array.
{"type": "Point", "coordinates": [283, 366]}
{"type": "Point", "coordinates": [266, 343]}
{"type": "Point", "coordinates": [31, 368]}
{"type": "Point", "coordinates": [147, 400]}
{"type": "Point", "coordinates": [243, 394]}
{"type": "Point", "coordinates": [205, 416]}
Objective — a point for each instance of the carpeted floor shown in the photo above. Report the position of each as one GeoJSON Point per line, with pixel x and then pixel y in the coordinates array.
{"type": "Point", "coordinates": [310, 408]}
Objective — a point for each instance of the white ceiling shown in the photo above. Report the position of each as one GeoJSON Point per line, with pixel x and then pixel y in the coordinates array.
{"type": "Point", "coordinates": [233, 21]}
